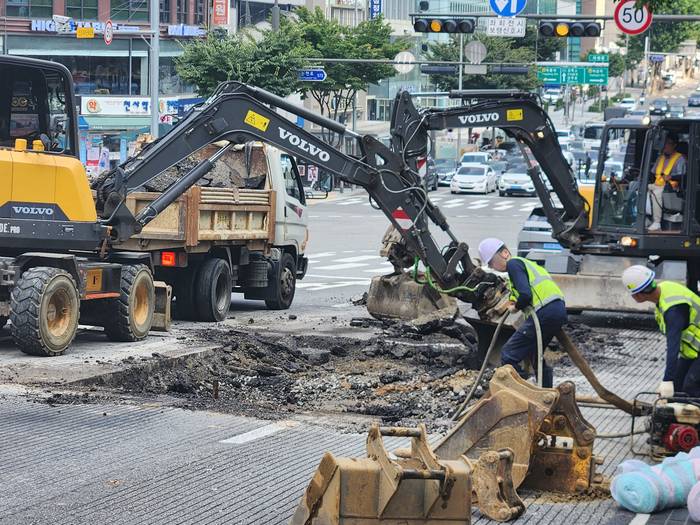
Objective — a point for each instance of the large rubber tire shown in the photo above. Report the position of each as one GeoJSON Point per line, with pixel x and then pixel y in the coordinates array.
{"type": "Point", "coordinates": [212, 290]}
{"type": "Point", "coordinates": [282, 284]}
{"type": "Point", "coordinates": [130, 316]}
{"type": "Point", "coordinates": [185, 308]}
{"type": "Point", "coordinates": [44, 311]}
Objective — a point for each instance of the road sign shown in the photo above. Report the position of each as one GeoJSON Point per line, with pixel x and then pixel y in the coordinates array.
{"type": "Point", "coordinates": [507, 7]}
{"type": "Point", "coordinates": [403, 62]}
{"type": "Point", "coordinates": [505, 26]}
{"type": "Point", "coordinates": [312, 173]}
{"type": "Point", "coordinates": [312, 75]}
{"type": "Point", "coordinates": [475, 69]}
{"type": "Point", "coordinates": [631, 19]}
{"type": "Point", "coordinates": [85, 32]}
{"type": "Point", "coordinates": [109, 32]}
{"type": "Point", "coordinates": [656, 58]}
{"type": "Point", "coordinates": [598, 57]}
{"type": "Point", "coordinates": [475, 52]}
{"type": "Point", "coordinates": [557, 75]}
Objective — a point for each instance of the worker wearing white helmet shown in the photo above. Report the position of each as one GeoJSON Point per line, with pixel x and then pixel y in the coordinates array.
{"type": "Point", "coordinates": [678, 316]}
{"type": "Point", "coordinates": [530, 286]}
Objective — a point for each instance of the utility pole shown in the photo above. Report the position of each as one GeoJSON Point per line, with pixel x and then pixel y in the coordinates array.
{"type": "Point", "coordinates": [461, 70]}
{"type": "Point", "coordinates": [154, 66]}
{"type": "Point", "coordinates": [276, 16]}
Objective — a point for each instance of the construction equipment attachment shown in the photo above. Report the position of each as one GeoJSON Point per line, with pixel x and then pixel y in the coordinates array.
{"type": "Point", "coordinates": [552, 443]}
{"type": "Point", "coordinates": [398, 296]}
{"type": "Point", "coordinates": [162, 316]}
{"type": "Point", "coordinates": [417, 489]}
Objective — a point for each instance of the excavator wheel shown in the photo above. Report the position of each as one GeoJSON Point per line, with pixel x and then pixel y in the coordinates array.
{"type": "Point", "coordinates": [44, 311]}
{"type": "Point", "coordinates": [130, 316]}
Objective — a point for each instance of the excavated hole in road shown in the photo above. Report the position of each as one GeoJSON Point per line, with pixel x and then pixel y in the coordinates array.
{"type": "Point", "coordinates": [404, 376]}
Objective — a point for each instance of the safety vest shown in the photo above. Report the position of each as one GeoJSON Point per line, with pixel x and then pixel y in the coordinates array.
{"type": "Point", "coordinates": [673, 294]}
{"type": "Point", "coordinates": [544, 289]}
{"type": "Point", "coordinates": [664, 168]}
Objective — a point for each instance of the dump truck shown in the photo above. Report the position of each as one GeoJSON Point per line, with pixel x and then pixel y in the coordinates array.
{"type": "Point", "coordinates": [242, 228]}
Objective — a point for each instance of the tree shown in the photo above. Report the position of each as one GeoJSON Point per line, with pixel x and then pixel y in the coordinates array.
{"type": "Point", "coordinates": [271, 63]}
{"type": "Point", "coordinates": [505, 50]}
{"type": "Point", "coordinates": [370, 40]}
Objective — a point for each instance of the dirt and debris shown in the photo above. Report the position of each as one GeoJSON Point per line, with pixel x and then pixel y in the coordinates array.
{"type": "Point", "coordinates": [406, 375]}
{"type": "Point", "coordinates": [593, 493]}
{"type": "Point", "coordinates": [597, 345]}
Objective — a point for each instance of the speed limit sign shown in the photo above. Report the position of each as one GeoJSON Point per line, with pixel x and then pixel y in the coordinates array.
{"type": "Point", "coordinates": [631, 19]}
{"type": "Point", "coordinates": [109, 32]}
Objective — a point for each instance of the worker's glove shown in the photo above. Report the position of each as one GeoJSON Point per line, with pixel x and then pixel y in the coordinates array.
{"type": "Point", "coordinates": [666, 389]}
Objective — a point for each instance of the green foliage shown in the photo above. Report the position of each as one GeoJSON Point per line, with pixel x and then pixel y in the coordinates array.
{"type": "Point", "coordinates": [370, 40]}
{"type": "Point", "coordinates": [619, 97]}
{"type": "Point", "coordinates": [272, 63]}
{"type": "Point", "coordinates": [616, 65]}
{"type": "Point", "coordinates": [502, 50]}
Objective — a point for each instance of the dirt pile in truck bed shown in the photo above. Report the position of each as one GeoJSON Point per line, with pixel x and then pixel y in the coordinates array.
{"type": "Point", "coordinates": [403, 376]}
{"type": "Point", "coordinates": [241, 168]}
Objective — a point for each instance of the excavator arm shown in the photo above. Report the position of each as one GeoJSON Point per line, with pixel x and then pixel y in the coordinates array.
{"type": "Point", "coordinates": [239, 113]}
{"type": "Point", "coordinates": [520, 116]}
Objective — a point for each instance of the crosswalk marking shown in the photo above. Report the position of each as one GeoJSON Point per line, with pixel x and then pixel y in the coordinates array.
{"type": "Point", "coordinates": [453, 201]}
{"type": "Point", "coordinates": [350, 201]}
{"type": "Point", "coordinates": [476, 206]}
{"type": "Point", "coordinates": [359, 258]}
{"type": "Point", "coordinates": [345, 266]}
{"type": "Point", "coordinates": [321, 255]}
{"type": "Point", "coordinates": [384, 269]}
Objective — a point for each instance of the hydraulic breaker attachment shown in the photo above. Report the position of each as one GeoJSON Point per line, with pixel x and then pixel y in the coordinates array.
{"type": "Point", "coordinates": [417, 489]}
{"type": "Point", "coordinates": [161, 314]}
{"type": "Point", "coordinates": [552, 443]}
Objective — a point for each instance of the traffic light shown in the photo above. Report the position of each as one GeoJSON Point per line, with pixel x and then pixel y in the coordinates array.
{"type": "Point", "coordinates": [563, 28]}
{"type": "Point", "coordinates": [444, 25]}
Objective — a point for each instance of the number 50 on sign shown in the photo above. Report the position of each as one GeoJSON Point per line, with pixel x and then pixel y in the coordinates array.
{"type": "Point", "coordinates": [631, 19]}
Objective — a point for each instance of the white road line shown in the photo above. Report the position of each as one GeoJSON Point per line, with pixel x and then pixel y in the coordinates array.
{"type": "Point", "coordinates": [319, 255]}
{"type": "Point", "coordinates": [453, 200]}
{"type": "Point", "coordinates": [503, 208]}
{"type": "Point", "coordinates": [259, 433]}
{"type": "Point", "coordinates": [342, 284]}
{"type": "Point", "coordinates": [380, 270]}
{"type": "Point", "coordinates": [351, 201]}
{"type": "Point", "coordinates": [359, 258]}
{"type": "Point", "coordinates": [477, 206]}
{"type": "Point", "coordinates": [478, 201]}
{"type": "Point", "coordinates": [346, 266]}
{"type": "Point", "coordinates": [640, 519]}
{"type": "Point", "coordinates": [343, 277]}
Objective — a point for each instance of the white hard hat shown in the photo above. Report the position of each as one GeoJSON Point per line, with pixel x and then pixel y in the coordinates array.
{"type": "Point", "coordinates": [636, 278]}
{"type": "Point", "coordinates": [488, 248]}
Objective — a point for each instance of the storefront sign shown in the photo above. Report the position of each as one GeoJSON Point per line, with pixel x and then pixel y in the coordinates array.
{"type": "Point", "coordinates": [375, 8]}
{"type": "Point", "coordinates": [125, 106]}
{"type": "Point", "coordinates": [85, 32]}
{"type": "Point", "coordinates": [220, 17]}
{"type": "Point", "coordinates": [49, 26]}
{"type": "Point", "coordinates": [183, 30]}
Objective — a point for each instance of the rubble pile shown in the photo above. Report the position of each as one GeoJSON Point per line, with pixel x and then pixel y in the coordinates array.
{"type": "Point", "coordinates": [597, 345]}
{"type": "Point", "coordinates": [406, 375]}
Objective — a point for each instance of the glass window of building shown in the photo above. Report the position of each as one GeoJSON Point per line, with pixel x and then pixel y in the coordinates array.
{"type": "Point", "coordinates": [103, 75]}
{"type": "Point", "coordinates": [82, 9]}
{"type": "Point", "coordinates": [130, 10]}
{"type": "Point", "coordinates": [30, 8]}
{"type": "Point", "coordinates": [165, 11]}
{"type": "Point", "coordinates": [199, 14]}
{"type": "Point", "coordinates": [182, 10]}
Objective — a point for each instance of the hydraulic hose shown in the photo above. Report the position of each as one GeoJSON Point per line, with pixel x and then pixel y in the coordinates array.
{"type": "Point", "coordinates": [540, 350]}
{"type": "Point", "coordinates": [460, 410]}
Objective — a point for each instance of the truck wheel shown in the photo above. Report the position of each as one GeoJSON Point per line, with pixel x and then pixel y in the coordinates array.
{"type": "Point", "coordinates": [212, 290]}
{"type": "Point", "coordinates": [3, 321]}
{"type": "Point", "coordinates": [185, 308]}
{"type": "Point", "coordinates": [283, 284]}
{"type": "Point", "coordinates": [130, 316]}
{"type": "Point", "coordinates": [44, 311]}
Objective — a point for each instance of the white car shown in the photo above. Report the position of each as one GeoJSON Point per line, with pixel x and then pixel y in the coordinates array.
{"type": "Point", "coordinates": [516, 182]}
{"type": "Point", "coordinates": [476, 157]}
{"type": "Point", "coordinates": [551, 95]}
{"type": "Point", "coordinates": [477, 178]}
{"type": "Point", "coordinates": [628, 103]}
{"type": "Point", "coordinates": [564, 136]}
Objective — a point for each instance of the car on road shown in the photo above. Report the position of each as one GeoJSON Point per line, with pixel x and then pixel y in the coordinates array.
{"type": "Point", "coordinates": [676, 111]}
{"type": "Point", "coordinates": [694, 100]}
{"type": "Point", "coordinates": [431, 175]}
{"type": "Point", "coordinates": [637, 113]}
{"type": "Point", "coordinates": [628, 103]}
{"type": "Point", "coordinates": [659, 107]}
{"type": "Point", "coordinates": [551, 95]}
{"type": "Point", "coordinates": [478, 178]}
{"type": "Point", "coordinates": [565, 136]}
{"type": "Point", "coordinates": [669, 81]}
{"type": "Point", "coordinates": [475, 157]}
{"type": "Point", "coordinates": [613, 168]}
{"type": "Point", "coordinates": [516, 181]}
{"type": "Point", "coordinates": [445, 169]}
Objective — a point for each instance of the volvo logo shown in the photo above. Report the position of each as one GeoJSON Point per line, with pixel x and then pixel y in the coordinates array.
{"type": "Point", "coordinates": [32, 210]}
{"type": "Point", "coordinates": [479, 119]}
{"type": "Point", "coordinates": [300, 143]}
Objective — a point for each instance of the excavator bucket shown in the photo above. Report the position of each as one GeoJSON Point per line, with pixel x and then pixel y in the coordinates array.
{"type": "Point", "coordinates": [398, 296]}
{"type": "Point", "coordinates": [162, 317]}
{"type": "Point", "coordinates": [552, 443]}
{"type": "Point", "coordinates": [417, 489]}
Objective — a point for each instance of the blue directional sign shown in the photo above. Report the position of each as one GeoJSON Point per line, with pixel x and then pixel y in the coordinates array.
{"type": "Point", "coordinates": [312, 75]}
{"type": "Point", "coordinates": [507, 7]}
{"type": "Point", "coordinates": [656, 58]}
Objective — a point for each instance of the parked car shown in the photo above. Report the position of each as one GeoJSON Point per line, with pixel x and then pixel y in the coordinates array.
{"type": "Point", "coordinates": [431, 175]}
{"type": "Point", "coordinates": [694, 100]}
{"type": "Point", "coordinates": [676, 111]}
{"type": "Point", "coordinates": [474, 178]}
{"type": "Point", "coordinates": [516, 181]}
{"type": "Point", "coordinates": [628, 103]}
{"type": "Point", "coordinates": [476, 157]}
{"type": "Point", "coordinates": [658, 106]}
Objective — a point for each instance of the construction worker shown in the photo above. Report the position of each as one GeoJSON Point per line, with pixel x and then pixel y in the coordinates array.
{"type": "Point", "coordinates": [531, 286]}
{"type": "Point", "coordinates": [678, 317]}
{"type": "Point", "coordinates": [669, 167]}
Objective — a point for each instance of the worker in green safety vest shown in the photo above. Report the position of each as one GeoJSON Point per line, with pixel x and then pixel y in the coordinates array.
{"type": "Point", "coordinates": [678, 316]}
{"type": "Point", "coordinates": [531, 286]}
